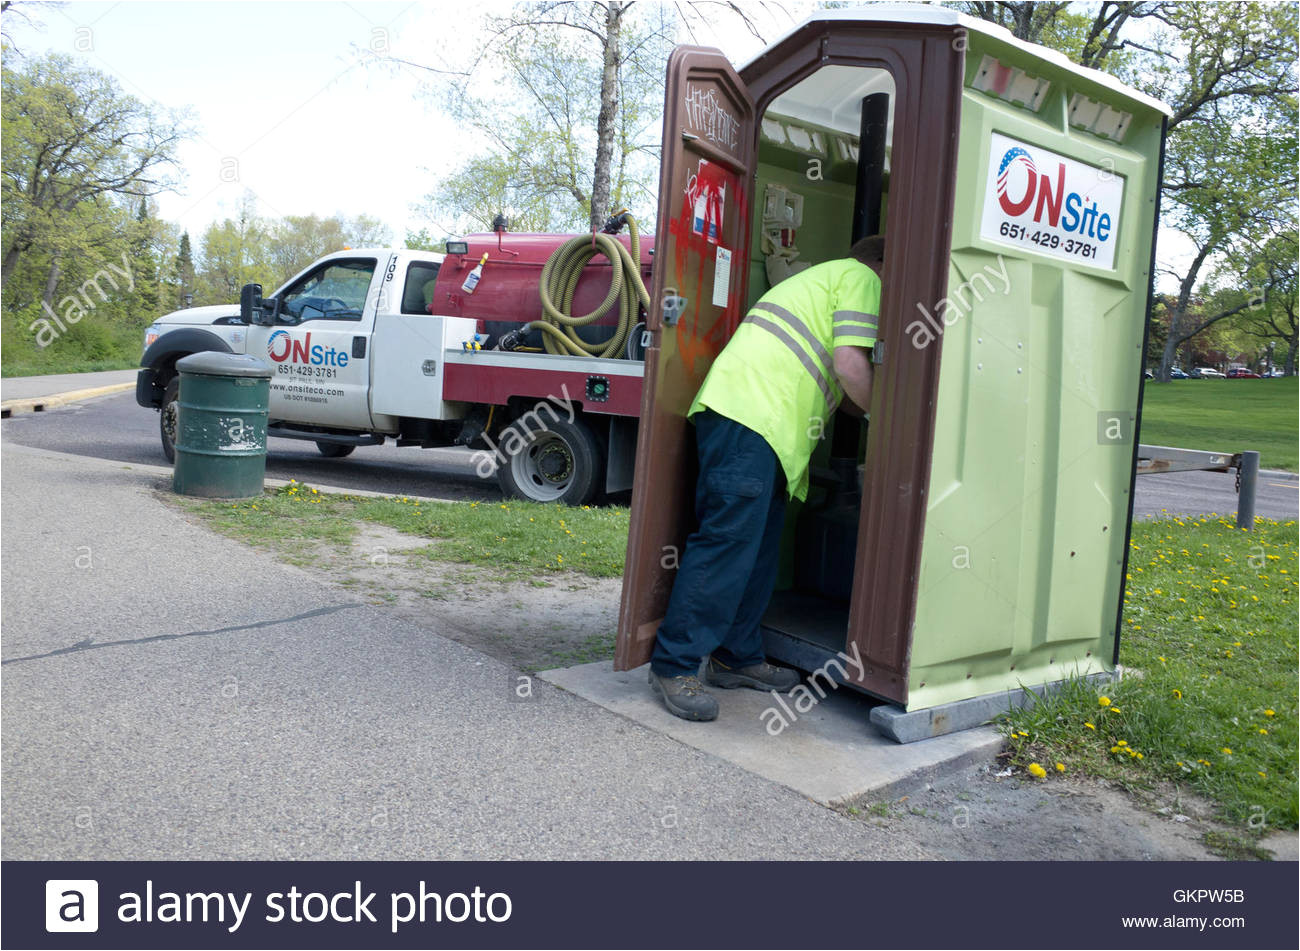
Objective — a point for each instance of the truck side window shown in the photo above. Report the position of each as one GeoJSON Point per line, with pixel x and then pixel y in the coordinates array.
{"type": "Point", "coordinates": [334, 291]}
{"type": "Point", "coordinates": [417, 295]}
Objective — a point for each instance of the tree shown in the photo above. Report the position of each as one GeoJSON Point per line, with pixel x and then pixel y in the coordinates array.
{"type": "Point", "coordinates": [72, 137]}
{"type": "Point", "coordinates": [1089, 36]}
{"type": "Point", "coordinates": [565, 97]}
{"type": "Point", "coordinates": [296, 241]}
{"type": "Point", "coordinates": [1272, 311]}
{"type": "Point", "coordinates": [183, 271]}
{"type": "Point", "coordinates": [234, 252]}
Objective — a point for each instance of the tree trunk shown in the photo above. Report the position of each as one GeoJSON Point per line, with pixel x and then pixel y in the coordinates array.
{"type": "Point", "coordinates": [52, 283]}
{"type": "Point", "coordinates": [1167, 358]}
{"type": "Point", "coordinates": [11, 260]}
{"type": "Point", "coordinates": [605, 120]}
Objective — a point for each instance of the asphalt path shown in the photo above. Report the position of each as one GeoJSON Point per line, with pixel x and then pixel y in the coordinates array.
{"type": "Point", "coordinates": [115, 428]}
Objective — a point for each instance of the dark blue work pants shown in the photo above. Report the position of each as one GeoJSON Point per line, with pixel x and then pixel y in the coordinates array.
{"type": "Point", "coordinates": [729, 568]}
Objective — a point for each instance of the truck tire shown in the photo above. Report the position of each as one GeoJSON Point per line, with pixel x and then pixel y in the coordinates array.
{"type": "Point", "coordinates": [560, 463]}
{"type": "Point", "coordinates": [167, 417]}
{"type": "Point", "coordinates": [334, 450]}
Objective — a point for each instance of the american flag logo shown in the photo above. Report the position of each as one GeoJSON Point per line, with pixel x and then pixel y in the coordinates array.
{"type": "Point", "coordinates": [1014, 155]}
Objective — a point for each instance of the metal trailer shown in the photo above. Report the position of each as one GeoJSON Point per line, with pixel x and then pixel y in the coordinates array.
{"type": "Point", "coordinates": [986, 550]}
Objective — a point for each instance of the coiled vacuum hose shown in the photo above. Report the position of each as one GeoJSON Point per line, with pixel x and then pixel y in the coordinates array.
{"type": "Point", "coordinates": [560, 279]}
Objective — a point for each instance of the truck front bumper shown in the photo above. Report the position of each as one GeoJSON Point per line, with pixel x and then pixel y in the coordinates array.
{"type": "Point", "coordinates": [147, 391]}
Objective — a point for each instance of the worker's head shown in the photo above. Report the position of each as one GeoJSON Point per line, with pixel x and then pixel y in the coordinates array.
{"type": "Point", "coordinates": [870, 251]}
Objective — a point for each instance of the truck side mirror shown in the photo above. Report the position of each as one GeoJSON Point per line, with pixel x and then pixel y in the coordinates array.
{"type": "Point", "coordinates": [250, 303]}
{"type": "Point", "coordinates": [270, 310]}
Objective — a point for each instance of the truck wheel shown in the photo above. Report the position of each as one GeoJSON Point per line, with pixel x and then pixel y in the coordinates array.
{"type": "Point", "coordinates": [561, 463]}
{"type": "Point", "coordinates": [167, 417]}
{"type": "Point", "coordinates": [334, 450]}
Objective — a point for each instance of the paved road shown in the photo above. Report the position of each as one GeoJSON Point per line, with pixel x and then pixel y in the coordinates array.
{"type": "Point", "coordinates": [171, 694]}
{"type": "Point", "coordinates": [116, 428]}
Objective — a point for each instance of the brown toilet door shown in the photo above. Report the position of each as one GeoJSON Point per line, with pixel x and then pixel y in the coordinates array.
{"type": "Point", "coordinates": [697, 298]}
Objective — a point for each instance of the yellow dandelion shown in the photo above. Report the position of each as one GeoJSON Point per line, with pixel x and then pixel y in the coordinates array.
{"type": "Point", "coordinates": [1178, 694]}
{"type": "Point", "coordinates": [1262, 773]}
{"type": "Point", "coordinates": [1104, 701]}
{"type": "Point", "coordinates": [1121, 742]}
{"type": "Point", "coordinates": [1090, 726]}
{"type": "Point", "coordinates": [1060, 767]}
{"type": "Point", "coordinates": [1264, 731]}
{"type": "Point", "coordinates": [1227, 751]}
{"type": "Point", "coordinates": [1269, 713]}
{"type": "Point", "coordinates": [1037, 771]}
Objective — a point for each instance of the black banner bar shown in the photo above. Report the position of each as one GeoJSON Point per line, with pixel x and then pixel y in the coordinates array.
{"type": "Point", "coordinates": [649, 905]}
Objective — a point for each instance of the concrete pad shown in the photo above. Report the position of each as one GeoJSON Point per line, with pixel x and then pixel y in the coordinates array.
{"type": "Point", "coordinates": [831, 754]}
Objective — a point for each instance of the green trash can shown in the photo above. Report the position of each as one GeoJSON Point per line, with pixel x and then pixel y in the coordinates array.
{"type": "Point", "coordinates": [221, 425]}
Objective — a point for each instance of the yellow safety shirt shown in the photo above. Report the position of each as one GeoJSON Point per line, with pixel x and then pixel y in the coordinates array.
{"type": "Point", "coordinates": [775, 375]}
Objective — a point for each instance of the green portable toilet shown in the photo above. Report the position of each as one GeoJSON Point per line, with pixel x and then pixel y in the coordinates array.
{"type": "Point", "coordinates": [1017, 193]}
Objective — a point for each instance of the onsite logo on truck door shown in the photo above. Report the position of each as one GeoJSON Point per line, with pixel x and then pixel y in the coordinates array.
{"type": "Point", "coordinates": [1045, 203]}
{"type": "Point", "coordinates": [280, 346]}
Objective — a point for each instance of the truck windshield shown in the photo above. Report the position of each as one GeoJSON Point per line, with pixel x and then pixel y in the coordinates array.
{"type": "Point", "coordinates": [334, 291]}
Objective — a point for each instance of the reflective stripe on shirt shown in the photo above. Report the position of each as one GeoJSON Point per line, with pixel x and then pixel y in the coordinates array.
{"type": "Point", "coordinates": [809, 364]}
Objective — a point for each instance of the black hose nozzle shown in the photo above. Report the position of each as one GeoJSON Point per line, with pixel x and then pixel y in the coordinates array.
{"type": "Point", "coordinates": [510, 340]}
{"type": "Point", "coordinates": [615, 223]}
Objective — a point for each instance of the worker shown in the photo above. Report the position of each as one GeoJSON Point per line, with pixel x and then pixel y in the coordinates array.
{"type": "Point", "coordinates": [803, 347]}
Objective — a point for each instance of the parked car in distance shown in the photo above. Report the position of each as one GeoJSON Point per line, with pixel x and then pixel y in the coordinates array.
{"type": "Point", "coordinates": [1241, 373]}
{"type": "Point", "coordinates": [1177, 373]}
{"type": "Point", "coordinates": [1277, 371]}
{"type": "Point", "coordinates": [1206, 373]}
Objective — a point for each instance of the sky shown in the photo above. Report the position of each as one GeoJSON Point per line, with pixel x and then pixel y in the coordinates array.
{"type": "Point", "coordinates": [298, 103]}
{"type": "Point", "coordinates": [301, 104]}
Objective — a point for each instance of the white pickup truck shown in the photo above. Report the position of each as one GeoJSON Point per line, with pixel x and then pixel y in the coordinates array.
{"type": "Point", "coordinates": [376, 344]}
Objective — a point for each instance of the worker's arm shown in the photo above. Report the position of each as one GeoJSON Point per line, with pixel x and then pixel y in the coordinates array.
{"type": "Point", "coordinates": [853, 369]}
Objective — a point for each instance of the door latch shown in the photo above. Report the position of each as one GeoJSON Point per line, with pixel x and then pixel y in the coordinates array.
{"type": "Point", "coordinates": [358, 347]}
{"type": "Point", "coordinates": [673, 307]}
{"type": "Point", "coordinates": [878, 353]}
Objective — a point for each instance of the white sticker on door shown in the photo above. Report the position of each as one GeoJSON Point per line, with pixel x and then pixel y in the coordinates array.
{"type": "Point", "coordinates": [1045, 203]}
{"type": "Point", "coordinates": [721, 277]}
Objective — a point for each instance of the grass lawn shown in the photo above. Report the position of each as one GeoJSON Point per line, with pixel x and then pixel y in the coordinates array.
{"type": "Point", "coordinates": [1211, 700]}
{"type": "Point", "coordinates": [520, 539]}
{"type": "Point", "coordinates": [1225, 416]}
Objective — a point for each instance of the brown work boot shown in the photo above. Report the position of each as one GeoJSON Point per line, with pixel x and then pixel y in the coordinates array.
{"type": "Point", "coordinates": [685, 697]}
{"type": "Point", "coordinates": [762, 676]}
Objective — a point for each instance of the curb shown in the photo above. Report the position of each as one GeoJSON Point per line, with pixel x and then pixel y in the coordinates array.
{"type": "Point", "coordinates": [39, 404]}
